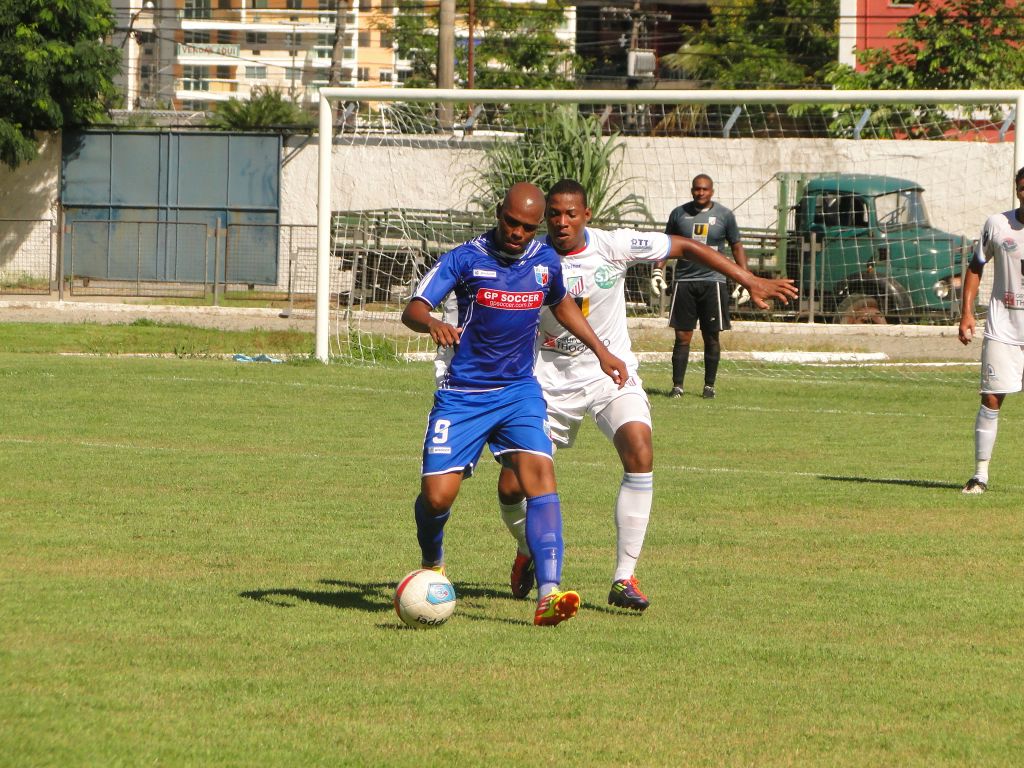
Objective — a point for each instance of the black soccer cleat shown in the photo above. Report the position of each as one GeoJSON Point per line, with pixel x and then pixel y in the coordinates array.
{"type": "Point", "coordinates": [626, 594]}
{"type": "Point", "coordinates": [708, 393]}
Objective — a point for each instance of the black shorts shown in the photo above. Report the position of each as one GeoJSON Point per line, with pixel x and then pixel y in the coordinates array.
{"type": "Point", "coordinates": [705, 301]}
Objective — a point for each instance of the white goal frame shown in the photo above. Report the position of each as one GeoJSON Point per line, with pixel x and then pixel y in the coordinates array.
{"type": "Point", "coordinates": [330, 96]}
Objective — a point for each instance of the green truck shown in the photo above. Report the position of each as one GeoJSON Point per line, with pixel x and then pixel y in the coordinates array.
{"type": "Point", "coordinates": [862, 249]}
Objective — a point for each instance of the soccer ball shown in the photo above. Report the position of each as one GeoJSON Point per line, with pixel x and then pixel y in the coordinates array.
{"type": "Point", "coordinates": [424, 598]}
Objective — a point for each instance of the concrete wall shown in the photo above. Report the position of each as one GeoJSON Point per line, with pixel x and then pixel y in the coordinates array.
{"type": "Point", "coordinates": [964, 181]}
{"type": "Point", "coordinates": [28, 214]}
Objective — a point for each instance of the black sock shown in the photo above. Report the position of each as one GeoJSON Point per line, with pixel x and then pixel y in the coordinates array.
{"type": "Point", "coordinates": [680, 357]}
{"type": "Point", "coordinates": [712, 356]}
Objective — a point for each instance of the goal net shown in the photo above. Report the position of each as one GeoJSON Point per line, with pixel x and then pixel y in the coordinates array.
{"type": "Point", "coordinates": [869, 201]}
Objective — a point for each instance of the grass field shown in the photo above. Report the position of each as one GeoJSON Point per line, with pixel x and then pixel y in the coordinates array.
{"type": "Point", "coordinates": [197, 559]}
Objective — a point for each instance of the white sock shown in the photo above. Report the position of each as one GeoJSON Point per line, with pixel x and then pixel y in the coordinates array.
{"type": "Point", "coordinates": [632, 513]}
{"type": "Point", "coordinates": [986, 425]}
{"type": "Point", "coordinates": [514, 517]}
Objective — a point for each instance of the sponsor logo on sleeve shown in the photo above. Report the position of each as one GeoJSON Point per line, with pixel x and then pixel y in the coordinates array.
{"type": "Point", "coordinates": [639, 244]}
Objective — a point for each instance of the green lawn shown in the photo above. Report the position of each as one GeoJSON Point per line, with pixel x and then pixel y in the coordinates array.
{"type": "Point", "coordinates": [197, 559]}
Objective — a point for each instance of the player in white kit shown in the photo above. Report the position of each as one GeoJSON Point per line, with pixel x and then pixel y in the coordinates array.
{"type": "Point", "coordinates": [594, 264]}
{"type": "Point", "coordinates": [1002, 351]}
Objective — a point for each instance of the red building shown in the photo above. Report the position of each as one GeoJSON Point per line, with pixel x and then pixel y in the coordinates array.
{"type": "Point", "coordinates": [869, 24]}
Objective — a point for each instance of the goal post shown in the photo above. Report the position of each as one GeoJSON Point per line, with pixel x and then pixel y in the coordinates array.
{"type": "Point", "coordinates": [385, 150]}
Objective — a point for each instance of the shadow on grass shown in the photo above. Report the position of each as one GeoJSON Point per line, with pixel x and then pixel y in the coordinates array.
{"type": "Point", "coordinates": [891, 481]}
{"type": "Point", "coordinates": [372, 597]}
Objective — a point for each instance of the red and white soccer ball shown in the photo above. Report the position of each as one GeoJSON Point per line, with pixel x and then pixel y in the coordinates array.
{"type": "Point", "coordinates": [424, 598]}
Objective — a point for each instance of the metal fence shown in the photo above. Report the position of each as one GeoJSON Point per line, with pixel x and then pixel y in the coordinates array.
{"type": "Point", "coordinates": [27, 256]}
{"type": "Point", "coordinates": [264, 262]}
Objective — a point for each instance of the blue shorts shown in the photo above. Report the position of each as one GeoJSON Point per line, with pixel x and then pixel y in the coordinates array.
{"type": "Point", "coordinates": [513, 418]}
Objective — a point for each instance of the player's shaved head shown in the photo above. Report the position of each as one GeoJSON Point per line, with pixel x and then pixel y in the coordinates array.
{"type": "Point", "coordinates": [525, 196]}
{"type": "Point", "coordinates": [519, 215]}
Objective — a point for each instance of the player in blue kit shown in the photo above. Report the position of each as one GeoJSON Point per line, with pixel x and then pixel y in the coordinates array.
{"type": "Point", "coordinates": [489, 394]}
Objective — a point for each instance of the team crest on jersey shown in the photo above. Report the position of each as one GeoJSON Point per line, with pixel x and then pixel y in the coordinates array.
{"type": "Point", "coordinates": [604, 277]}
{"type": "Point", "coordinates": [712, 219]}
{"type": "Point", "coordinates": [574, 285]}
{"type": "Point", "coordinates": [541, 274]}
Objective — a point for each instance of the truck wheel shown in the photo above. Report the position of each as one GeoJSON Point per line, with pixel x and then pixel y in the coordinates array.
{"type": "Point", "coordinates": [858, 309]}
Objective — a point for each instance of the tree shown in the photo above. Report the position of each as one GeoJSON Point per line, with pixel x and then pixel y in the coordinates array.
{"type": "Point", "coordinates": [753, 44]}
{"type": "Point", "coordinates": [517, 46]}
{"type": "Point", "coordinates": [56, 70]}
{"type": "Point", "coordinates": [950, 44]}
{"type": "Point", "coordinates": [265, 109]}
{"type": "Point", "coordinates": [956, 44]}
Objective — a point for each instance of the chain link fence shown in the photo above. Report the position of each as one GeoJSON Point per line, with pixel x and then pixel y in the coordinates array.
{"type": "Point", "coordinates": [27, 256]}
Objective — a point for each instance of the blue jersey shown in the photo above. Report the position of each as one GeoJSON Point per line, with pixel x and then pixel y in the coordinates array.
{"type": "Point", "coordinates": [499, 303]}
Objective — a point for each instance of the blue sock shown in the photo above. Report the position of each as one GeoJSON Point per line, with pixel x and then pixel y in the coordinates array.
{"type": "Point", "coordinates": [544, 535]}
{"type": "Point", "coordinates": [430, 533]}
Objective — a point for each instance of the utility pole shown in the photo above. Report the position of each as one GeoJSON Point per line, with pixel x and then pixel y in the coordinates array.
{"type": "Point", "coordinates": [446, 58]}
{"type": "Point", "coordinates": [471, 23]}
{"type": "Point", "coordinates": [341, 8]}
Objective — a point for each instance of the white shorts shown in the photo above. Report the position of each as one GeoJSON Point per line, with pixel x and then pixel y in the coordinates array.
{"type": "Point", "coordinates": [610, 407]}
{"type": "Point", "coordinates": [1002, 367]}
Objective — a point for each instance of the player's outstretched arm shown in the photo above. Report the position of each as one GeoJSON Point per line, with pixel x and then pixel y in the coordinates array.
{"type": "Point", "coordinates": [972, 280]}
{"type": "Point", "coordinates": [761, 289]}
{"type": "Point", "coordinates": [417, 317]}
{"type": "Point", "coordinates": [568, 313]}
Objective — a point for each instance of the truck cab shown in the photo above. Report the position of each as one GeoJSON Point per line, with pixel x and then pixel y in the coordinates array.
{"type": "Point", "coordinates": [870, 249]}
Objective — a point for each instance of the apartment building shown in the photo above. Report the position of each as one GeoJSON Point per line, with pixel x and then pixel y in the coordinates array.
{"type": "Point", "coordinates": [191, 54]}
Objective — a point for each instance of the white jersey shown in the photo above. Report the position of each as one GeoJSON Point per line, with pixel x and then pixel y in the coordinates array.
{"type": "Point", "coordinates": [1002, 247]}
{"type": "Point", "coordinates": [595, 277]}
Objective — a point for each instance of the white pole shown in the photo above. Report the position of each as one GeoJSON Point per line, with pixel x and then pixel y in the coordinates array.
{"type": "Point", "coordinates": [323, 230]}
{"type": "Point", "coordinates": [1018, 142]}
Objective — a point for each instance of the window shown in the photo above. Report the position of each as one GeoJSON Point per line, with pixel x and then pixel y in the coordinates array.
{"type": "Point", "coordinates": [256, 38]}
{"type": "Point", "coordinates": [364, 39]}
{"type": "Point", "coordinates": [363, 74]}
{"type": "Point", "coordinates": [384, 75]}
{"type": "Point", "coordinates": [197, 38]}
{"type": "Point", "coordinates": [224, 36]}
{"type": "Point", "coordinates": [293, 40]}
{"type": "Point", "coordinates": [197, 9]}
{"type": "Point", "coordinates": [386, 6]}
{"type": "Point", "coordinates": [224, 5]}
{"type": "Point", "coordinates": [255, 73]}
{"type": "Point", "coordinates": [403, 75]}
{"type": "Point", "coordinates": [259, 4]}
{"type": "Point", "coordinates": [195, 78]}
{"type": "Point", "coordinates": [294, 5]}
{"type": "Point", "coordinates": [224, 73]}
{"type": "Point", "coordinates": [387, 39]}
